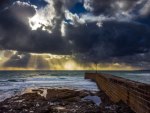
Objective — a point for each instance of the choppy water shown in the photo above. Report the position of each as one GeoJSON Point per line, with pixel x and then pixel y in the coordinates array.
{"type": "Point", "coordinates": [12, 82]}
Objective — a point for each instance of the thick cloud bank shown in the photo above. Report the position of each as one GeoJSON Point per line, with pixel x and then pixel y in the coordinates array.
{"type": "Point", "coordinates": [92, 30]}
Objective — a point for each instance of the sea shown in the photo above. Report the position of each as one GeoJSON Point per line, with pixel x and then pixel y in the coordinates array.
{"type": "Point", "coordinates": [15, 82]}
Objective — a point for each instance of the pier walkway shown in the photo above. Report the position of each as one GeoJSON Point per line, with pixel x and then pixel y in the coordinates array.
{"type": "Point", "coordinates": [135, 94]}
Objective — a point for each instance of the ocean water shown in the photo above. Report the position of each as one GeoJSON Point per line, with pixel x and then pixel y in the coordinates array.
{"type": "Point", "coordinates": [139, 76]}
{"type": "Point", "coordinates": [13, 82]}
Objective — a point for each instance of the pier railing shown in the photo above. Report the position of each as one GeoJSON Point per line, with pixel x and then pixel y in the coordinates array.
{"type": "Point", "coordinates": [135, 94]}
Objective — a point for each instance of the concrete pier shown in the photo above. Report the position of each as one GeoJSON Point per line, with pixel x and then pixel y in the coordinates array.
{"type": "Point", "coordinates": [135, 94]}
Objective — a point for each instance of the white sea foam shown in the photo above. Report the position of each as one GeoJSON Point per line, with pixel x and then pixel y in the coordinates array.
{"type": "Point", "coordinates": [13, 82]}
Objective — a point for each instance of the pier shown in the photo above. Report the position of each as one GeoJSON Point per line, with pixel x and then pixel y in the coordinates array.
{"type": "Point", "coordinates": [135, 94]}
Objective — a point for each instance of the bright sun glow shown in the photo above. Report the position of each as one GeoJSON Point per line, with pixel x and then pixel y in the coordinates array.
{"type": "Point", "coordinates": [38, 22]}
{"type": "Point", "coordinates": [70, 65]}
{"type": "Point", "coordinates": [35, 23]}
{"type": "Point", "coordinates": [57, 62]}
{"type": "Point", "coordinates": [44, 18]}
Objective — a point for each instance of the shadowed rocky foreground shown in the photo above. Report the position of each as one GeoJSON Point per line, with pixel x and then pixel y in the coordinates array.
{"type": "Point", "coordinates": [61, 101]}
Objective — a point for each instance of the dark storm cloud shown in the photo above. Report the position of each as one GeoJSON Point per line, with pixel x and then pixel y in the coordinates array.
{"type": "Point", "coordinates": [23, 60]}
{"type": "Point", "coordinates": [42, 41]}
{"type": "Point", "coordinates": [141, 60]}
{"type": "Point", "coordinates": [144, 20]}
{"type": "Point", "coordinates": [18, 60]}
{"type": "Point", "coordinates": [16, 33]}
{"type": "Point", "coordinates": [109, 7]}
{"type": "Point", "coordinates": [115, 39]}
{"type": "Point", "coordinates": [38, 3]}
{"type": "Point", "coordinates": [5, 3]}
{"type": "Point", "coordinates": [121, 39]}
{"type": "Point", "coordinates": [13, 25]}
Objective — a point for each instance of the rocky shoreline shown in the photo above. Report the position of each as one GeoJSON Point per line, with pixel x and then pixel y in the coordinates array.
{"type": "Point", "coordinates": [61, 101]}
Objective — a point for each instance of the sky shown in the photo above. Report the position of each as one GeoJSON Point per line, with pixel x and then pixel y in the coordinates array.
{"type": "Point", "coordinates": [74, 34]}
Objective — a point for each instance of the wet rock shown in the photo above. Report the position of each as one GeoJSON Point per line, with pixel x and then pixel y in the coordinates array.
{"type": "Point", "coordinates": [49, 101]}
{"type": "Point", "coordinates": [61, 101]}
